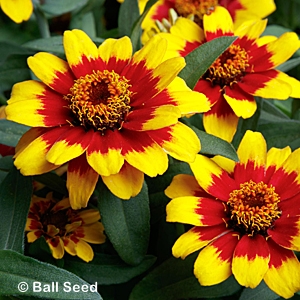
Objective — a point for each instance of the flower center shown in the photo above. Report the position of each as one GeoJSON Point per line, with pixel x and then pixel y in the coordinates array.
{"type": "Point", "coordinates": [58, 219]}
{"type": "Point", "coordinates": [229, 68]}
{"type": "Point", "coordinates": [100, 100]}
{"type": "Point", "coordinates": [253, 208]}
{"type": "Point", "coordinates": [194, 7]}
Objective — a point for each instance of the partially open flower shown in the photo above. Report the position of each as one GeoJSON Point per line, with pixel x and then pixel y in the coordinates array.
{"type": "Point", "coordinates": [63, 228]}
{"type": "Point", "coordinates": [245, 70]}
{"type": "Point", "coordinates": [240, 11]}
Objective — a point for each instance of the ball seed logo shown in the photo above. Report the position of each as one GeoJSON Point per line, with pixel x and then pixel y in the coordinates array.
{"type": "Point", "coordinates": [55, 287]}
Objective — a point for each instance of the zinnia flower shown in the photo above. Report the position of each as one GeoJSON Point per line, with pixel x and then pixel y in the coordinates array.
{"type": "Point", "coordinates": [63, 228]}
{"type": "Point", "coordinates": [105, 112]}
{"type": "Point", "coordinates": [246, 216]}
{"type": "Point", "coordinates": [17, 10]}
{"type": "Point", "coordinates": [246, 69]}
{"type": "Point", "coordinates": [240, 10]}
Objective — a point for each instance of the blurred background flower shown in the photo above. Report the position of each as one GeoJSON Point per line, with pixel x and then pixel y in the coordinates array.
{"type": "Point", "coordinates": [63, 228]}
{"type": "Point", "coordinates": [17, 10]}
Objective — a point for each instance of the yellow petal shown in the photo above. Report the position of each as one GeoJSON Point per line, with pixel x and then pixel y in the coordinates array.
{"type": "Point", "coordinates": [81, 182]}
{"type": "Point", "coordinates": [152, 53]}
{"type": "Point", "coordinates": [17, 10]}
{"type": "Point", "coordinates": [276, 157]}
{"type": "Point", "coordinates": [52, 70]}
{"type": "Point", "coordinates": [182, 210]}
{"type": "Point", "coordinates": [283, 48]}
{"type": "Point", "coordinates": [252, 29]}
{"type": "Point", "coordinates": [188, 30]}
{"type": "Point", "coordinates": [184, 144]}
{"type": "Point", "coordinates": [256, 153]}
{"type": "Point", "coordinates": [93, 233]}
{"type": "Point", "coordinates": [84, 251]}
{"type": "Point", "coordinates": [182, 185]}
{"type": "Point", "coordinates": [80, 51]}
{"type": "Point", "coordinates": [218, 20]}
{"type": "Point", "coordinates": [121, 49]}
{"type": "Point", "coordinates": [125, 184]}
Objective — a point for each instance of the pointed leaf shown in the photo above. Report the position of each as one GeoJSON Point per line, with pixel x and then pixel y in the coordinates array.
{"type": "Point", "coordinates": [213, 145]}
{"type": "Point", "coordinates": [58, 7]}
{"type": "Point", "coordinates": [290, 64]}
{"type": "Point", "coordinates": [53, 181]}
{"type": "Point", "coordinates": [108, 269]}
{"type": "Point", "coordinates": [174, 279]}
{"type": "Point", "coordinates": [201, 58]}
{"type": "Point", "coordinates": [128, 14]}
{"type": "Point", "coordinates": [14, 69]}
{"type": "Point", "coordinates": [126, 223]}
{"type": "Point", "coordinates": [281, 134]}
{"type": "Point", "coordinates": [136, 30]}
{"type": "Point", "coordinates": [11, 132]}
{"type": "Point", "coordinates": [15, 196]}
{"type": "Point", "coordinates": [19, 272]}
{"type": "Point", "coordinates": [7, 49]}
{"type": "Point", "coordinates": [259, 293]}
{"type": "Point", "coordinates": [53, 44]}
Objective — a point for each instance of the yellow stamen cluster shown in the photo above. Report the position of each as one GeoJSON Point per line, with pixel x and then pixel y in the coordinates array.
{"type": "Point", "coordinates": [254, 207]}
{"type": "Point", "coordinates": [100, 100]}
{"type": "Point", "coordinates": [197, 8]}
{"type": "Point", "coordinates": [230, 67]}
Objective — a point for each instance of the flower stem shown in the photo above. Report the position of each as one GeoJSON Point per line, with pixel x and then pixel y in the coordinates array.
{"type": "Point", "coordinates": [42, 23]}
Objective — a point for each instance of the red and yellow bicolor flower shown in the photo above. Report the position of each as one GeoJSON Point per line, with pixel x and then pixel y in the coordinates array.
{"type": "Point", "coordinates": [246, 216]}
{"type": "Point", "coordinates": [106, 113]}
{"type": "Point", "coordinates": [246, 69]}
{"type": "Point", "coordinates": [240, 11]}
{"type": "Point", "coordinates": [63, 228]}
{"type": "Point", "coordinates": [17, 10]}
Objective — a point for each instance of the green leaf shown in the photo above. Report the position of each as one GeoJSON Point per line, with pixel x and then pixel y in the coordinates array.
{"type": "Point", "coordinates": [136, 30]}
{"type": "Point", "coordinates": [290, 64]}
{"type": "Point", "coordinates": [281, 134]}
{"type": "Point", "coordinates": [7, 49]}
{"type": "Point", "coordinates": [53, 181]}
{"type": "Point", "coordinates": [53, 44]}
{"type": "Point", "coordinates": [58, 7]}
{"type": "Point", "coordinates": [270, 112]}
{"type": "Point", "coordinates": [248, 124]}
{"type": "Point", "coordinates": [213, 145]}
{"type": "Point", "coordinates": [201, 58]}
{"type": "Point", "coordinates": [259, 293]}
{"type": "Point", "coordinates": [126, 223]}
{"type": "Point", "coordinates": [160, 183]}
{"type": "Point", "coordinates": [15, 196]}
{"type": "Point", "coordinates": [6, 163]}
{"type": "Point", "coordinates": [11, 132]}
{"type": "Point", "coordinates": [108, 269]}
{"type": "Point", "coordinates": [85, 22]}
{"type": "Point", "coordinates": [128, 14]}
{"type": "Point", "coordinates": [174, 279]}
{"type": "Point", "coordinates": [13, 70]}
{"type": "Point", "coordinates": [19, 271]}
{"type": "Point", "coordinates": [276, 30]}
